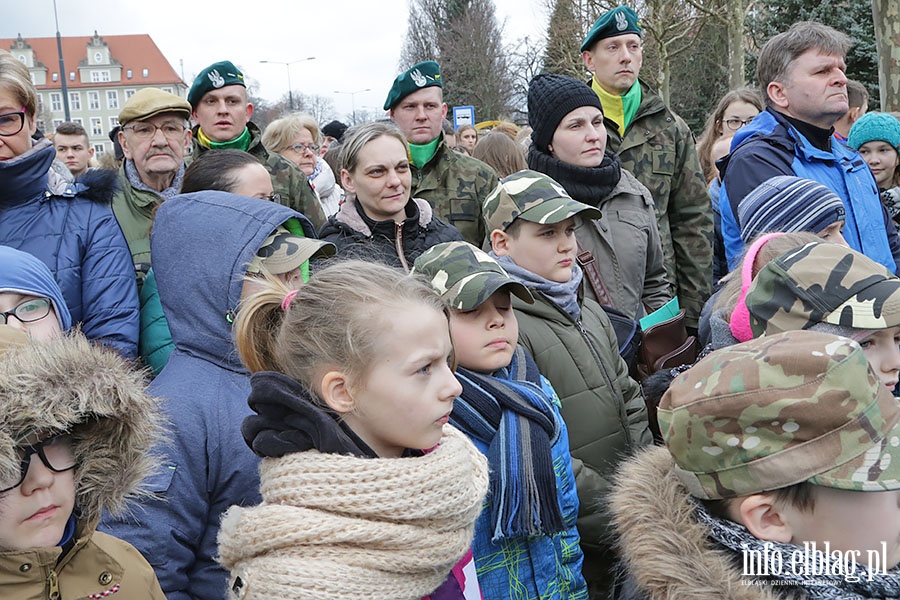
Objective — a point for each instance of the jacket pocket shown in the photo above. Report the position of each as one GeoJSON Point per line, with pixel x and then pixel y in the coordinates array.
{"type": "Point", "coordinates": [664, 162]}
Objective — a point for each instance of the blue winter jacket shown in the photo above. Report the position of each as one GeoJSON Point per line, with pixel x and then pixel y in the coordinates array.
{"type": "Point", "coordinates": [538, 567]}
{"type": "Point", "coordinates": [71, 228]}
{"type": "Point", "coordinates": [770, 146]}
{"type": "Point", "coordinates": [201, 244]}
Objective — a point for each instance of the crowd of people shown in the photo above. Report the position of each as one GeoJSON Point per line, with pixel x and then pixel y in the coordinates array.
{"type": "Point", "coordinates": [585, 358]}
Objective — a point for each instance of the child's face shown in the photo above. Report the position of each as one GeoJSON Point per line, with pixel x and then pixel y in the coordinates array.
{"type": "Point", "coordinates": [34, 514]}
{"type": "Point", "coordinates": [882, 159]}
{"type": "Point", "coordinates": [407, 396]}
{"type": "Point", "coordinates": [834, 233]}
{"type": "Point", "coordinates": [882, 349]}
{"type": "Point", "coordinates": [858, 521]}
{"type": "Point", "coordinates": [485, 338]}
{"type": "Point", "coordinates": [546, 250]}
{"type": "Point", "coordinates": [26, 318]}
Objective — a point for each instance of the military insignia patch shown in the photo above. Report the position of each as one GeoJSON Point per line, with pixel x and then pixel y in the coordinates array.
{"type": "Point", "coordinates": [418, 78]}
{"type": "Point", "coordinates": [215, 79]}
{"type": "Point", "coordinates": [621, 21]}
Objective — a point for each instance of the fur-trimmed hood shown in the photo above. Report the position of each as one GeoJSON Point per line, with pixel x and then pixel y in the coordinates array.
{"type": "Point", "coordinates": [666, 551]}
{"type": "Point", "coordinates": [71, 385]}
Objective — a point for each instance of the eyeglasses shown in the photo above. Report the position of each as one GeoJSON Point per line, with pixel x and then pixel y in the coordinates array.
{"type": "Point", "coordinates": [301, 148]}
{"type": "Point", "coordinates": [57, 452]}
{"type": "Point", "coordinates": [28, 311]}
{"type": "Point", "coordinates": [145, 131]}
{"type": "Point", "coordinates": [12, 123]}
{"type": "Point", "coordinates": [735, 124]}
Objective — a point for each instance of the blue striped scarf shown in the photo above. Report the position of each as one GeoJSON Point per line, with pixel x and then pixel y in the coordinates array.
{"type": "Point", "coordinates": [510, 413]}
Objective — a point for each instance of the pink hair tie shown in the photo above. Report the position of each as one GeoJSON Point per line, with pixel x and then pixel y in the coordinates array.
{"type": "Point", "coordinates": [740, 316]}
{"type": "Point", "coordinates": [288, 298]}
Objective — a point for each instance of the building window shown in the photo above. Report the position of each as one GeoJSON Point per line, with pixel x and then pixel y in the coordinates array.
{"type": "Point", "coordinates": [99, 149]}
{"type": "Point", "coordinates": [112, 99]}
{"type": "Point", "coordinates": [96, 126]}
{"type": "Point", "coordinates": [128, 94]}
{"type": "Point", "coordinates": [113, 123]}
{"type": "Point", "coordinates": [74, 100]}
{"type": "Point", "coordinates": [40, 124]}
{"type": "Point", "coordinates": [128, 73]}
{"type": "Point", "coordinates": [95, 76]}
{"type": "Point", "coordinates": [57, 123]}
{"type": "Point", "coordinates": [40, 102]}
{"type": "Point", "coordinates": [55, 77]}
{"type": "Point", "coordinates": [146, 72]}
{"type": "Point", "coordinates": [104, 76]}
{"type": "Point", "coordinates": [168, 90]}
{"type": "Point", "coordinates": [93, 100]}
{"type": "Point", "coordinates": [78, 120]}
{"type": "Point", "coordinates": [55, 102]}
{"type": "Point", "coordinates": [72, 76]}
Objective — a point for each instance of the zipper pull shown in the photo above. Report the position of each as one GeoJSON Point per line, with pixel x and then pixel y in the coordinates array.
{"type": "Point", "coordinates": [53, 581]}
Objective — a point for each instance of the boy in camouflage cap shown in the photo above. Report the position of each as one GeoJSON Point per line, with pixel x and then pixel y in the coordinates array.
{"type": "Point", "coordinates": [781, 474]}
{"type": "Point", "coordinates": [511, 414]}
{"type": "Point", "coordinates": [532, 223]}
{"type": "Point", "coordinates": [831, 288]}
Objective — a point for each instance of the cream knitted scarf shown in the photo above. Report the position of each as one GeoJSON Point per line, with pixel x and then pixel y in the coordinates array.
{"type": "Point", "coordinates": [335, 526]}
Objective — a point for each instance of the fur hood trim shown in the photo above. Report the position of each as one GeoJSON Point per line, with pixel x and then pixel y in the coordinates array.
{"type": "Point", "coordinates": [96, 185]}
{"type": "Point", "coordinates": [70, 385]}
{"type": "Point", "coordinates": [665, 549]}
{"type": "Point", "coordinates": [348, 215]}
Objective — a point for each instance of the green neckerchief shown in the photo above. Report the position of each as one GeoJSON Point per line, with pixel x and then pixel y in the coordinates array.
{"type": "Point", "coordinates": [293, 225]}
{"type": "Point", "coordinates": [420, 154]}
{"type": "Point", "coordinates": [241, 142]}
{"type": "Point", "coordinates": [619, 109]}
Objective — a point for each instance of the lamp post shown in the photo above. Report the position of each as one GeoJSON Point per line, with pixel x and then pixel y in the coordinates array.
{"type": "Point", "coordinates": [287, 66]}
{"type": "Point", "coordinates": [62, 66]}
{"type": "Point", "coordinates": [353, 100]}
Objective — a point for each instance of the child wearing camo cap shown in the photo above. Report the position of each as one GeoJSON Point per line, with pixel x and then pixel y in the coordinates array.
{"type": "Point", "coordinates": [526, 543]}
{"type": "Point", "coordinates": [780, 479]}
{"type": "Point", "coordinates": [531, 220]}
{"type": "Point", "coordinates": [833, 289]}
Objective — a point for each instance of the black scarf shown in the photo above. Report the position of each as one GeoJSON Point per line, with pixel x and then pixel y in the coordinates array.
{"type": "Point", "coordinates": [585, 184]}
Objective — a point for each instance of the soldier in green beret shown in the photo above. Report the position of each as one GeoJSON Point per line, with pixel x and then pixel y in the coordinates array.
{"type": "Point", "coordinates": [456, 185]}
{"type": "Point", "coordinates": [780, 478]}
{"type": "Point", "coordinates": [222, 110]}
{"type": "Point", "coordinates": [657, 146]}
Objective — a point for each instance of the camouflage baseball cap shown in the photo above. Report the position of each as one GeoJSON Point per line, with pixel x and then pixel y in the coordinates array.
{"type": "Point", "coordinates": [283, 251]}
{"type": "Point", "coordinates": [534, 197]}
{"type": "Point", "coordinates": [822, 282]}
{"type": "Point", "coordinates": [781, 410]}
{"type": "Point", "coordinates": [465, 276]}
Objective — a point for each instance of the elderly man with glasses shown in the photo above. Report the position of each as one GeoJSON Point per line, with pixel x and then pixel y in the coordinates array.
{"type": "Point", "coordinates": [155, 136]}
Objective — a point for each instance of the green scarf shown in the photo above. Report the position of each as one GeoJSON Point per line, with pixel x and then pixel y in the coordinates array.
{"type": "Point", "coordinates": [241, 142]}
{"type": "Point", "coordinates": [619, 109]}
{"type": "Point", "coordinates": [420, 154]}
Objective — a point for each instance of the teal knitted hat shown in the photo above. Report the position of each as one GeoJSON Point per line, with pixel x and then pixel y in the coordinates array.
{"type": "Point", "coordinates": [874, 126]}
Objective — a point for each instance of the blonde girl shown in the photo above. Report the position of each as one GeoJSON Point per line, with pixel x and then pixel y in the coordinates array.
{"type": "Point", "coordinates": [367, 492]}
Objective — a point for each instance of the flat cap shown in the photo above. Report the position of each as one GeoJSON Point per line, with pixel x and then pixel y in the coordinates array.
{"type": "Point", "coordinates": [149, 102]}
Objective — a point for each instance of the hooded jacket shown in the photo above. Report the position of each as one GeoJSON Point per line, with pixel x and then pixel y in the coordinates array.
{"type": "Point", "coordinates": [397, 244]}
{"type": "Point", "coordinates": [201, 245]}
{"type": "Point", "coordinates": [71, 228]}
{"type": "Point", "coordinates": [71, 385]}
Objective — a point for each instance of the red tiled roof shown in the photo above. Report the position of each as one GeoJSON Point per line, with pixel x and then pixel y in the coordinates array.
{"type": "Point", "coordinates": [135, 52]}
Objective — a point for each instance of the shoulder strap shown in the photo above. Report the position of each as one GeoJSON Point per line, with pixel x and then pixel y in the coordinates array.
{"type": "Point", "coordinates": [585, 258]}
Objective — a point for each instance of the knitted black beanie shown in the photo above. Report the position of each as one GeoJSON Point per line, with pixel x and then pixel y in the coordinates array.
{"type": "Point", "coordinates": [550, 99]}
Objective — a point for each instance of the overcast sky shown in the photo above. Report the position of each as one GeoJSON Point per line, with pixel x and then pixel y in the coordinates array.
{"type": "Point", "coordinates": [356, 42]}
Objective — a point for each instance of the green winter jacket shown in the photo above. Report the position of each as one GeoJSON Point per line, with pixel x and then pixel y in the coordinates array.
{"type": "Point", "coordinates": [155, 342]}
{"type": "Point", "coordinates": [658, 148]}
{"type": "Point", "coordinates": [456, 185]}
{"type": "Point", "coordinates": [602, 406]}
{"type": "Point", "coordinates": [134, 212]}
{"type": "Point", "coordinates": [288, 180]}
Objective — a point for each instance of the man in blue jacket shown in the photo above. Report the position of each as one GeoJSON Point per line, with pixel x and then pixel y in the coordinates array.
{"type": "Point", "coordinates": [801, 72]}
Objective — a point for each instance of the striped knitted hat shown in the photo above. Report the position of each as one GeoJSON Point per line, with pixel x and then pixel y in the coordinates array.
{"type": "Point", "coordinates": [786, 203]}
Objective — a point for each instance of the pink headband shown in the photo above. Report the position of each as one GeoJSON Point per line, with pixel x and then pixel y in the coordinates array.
{"type": "Point", "coordinates": [288, 298]}
{"type": "Point", "coordinates": [740, 316]}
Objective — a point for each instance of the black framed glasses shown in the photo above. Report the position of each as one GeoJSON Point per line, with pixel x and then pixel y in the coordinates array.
{"type": "Point", "coordinates": [33, 309]}
{"type": "Point", "coordinates": [301, 148]}
{"type": "Point", "coordinates": [145, 131]}
{"type": "Point", "coordinates": [12, 123]}
{"type": "Point", "coordinates": [57, 452]}
{"type": "Point", "coordinates": [735, 124]}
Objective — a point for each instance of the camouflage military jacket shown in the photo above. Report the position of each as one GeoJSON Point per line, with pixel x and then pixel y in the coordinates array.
{"type": "Point", "coordinates": [456, 186]}
{"type": "Point", "coordinates": [288, 180]}
{"type": "Point", "coordinates": [658, 148]}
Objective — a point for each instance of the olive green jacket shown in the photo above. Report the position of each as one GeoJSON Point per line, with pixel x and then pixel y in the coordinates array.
{"type": "Point", "coordinates": [658, 148]}
{"type": "Point", "coordinates": [134, 212]}
{"type": "Point", "coordinates": [456, 185]}
{"type": "Point", "coordinates": [288, 180]}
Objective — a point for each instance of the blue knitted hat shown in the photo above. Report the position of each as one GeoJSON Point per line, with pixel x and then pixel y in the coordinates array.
{"type": "Point", "coordinates": [787, 203]}
{"type": "Point", "coordinates": [875, 126]}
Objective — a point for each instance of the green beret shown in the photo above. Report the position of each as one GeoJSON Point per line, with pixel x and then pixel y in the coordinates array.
{"type": "Point", "coordinates": [213, 77]}
{"type": "Point", "coordinates": [423, 75]}
{"type": "Point", "coordinates": [618, 21]}
{"type": "Point", "coordinates": [149, 102]}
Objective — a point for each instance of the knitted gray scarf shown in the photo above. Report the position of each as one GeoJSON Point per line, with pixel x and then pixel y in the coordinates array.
{"type": "Point", "coordinates": [564, 295]}
{"type": "Point", "coordinates": [135, 180]}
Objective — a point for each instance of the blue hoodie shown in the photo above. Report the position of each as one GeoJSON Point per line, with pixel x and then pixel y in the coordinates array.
{"type": "Point", "coordinates": [24, 274]}
{"type": "Point", "coordinates": [201, 245]}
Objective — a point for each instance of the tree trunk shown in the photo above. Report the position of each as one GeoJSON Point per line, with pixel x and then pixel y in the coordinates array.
{"type": "Point", "coordinates": [664, 72]}
{"type": "Point", "coordinates": [734, 27]}
{"type": "Point", "coordinates": [886, 14]}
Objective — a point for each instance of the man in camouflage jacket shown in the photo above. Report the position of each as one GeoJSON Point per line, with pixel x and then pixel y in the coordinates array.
{"type": "Point", "coordinates": [222, 110]}
{"type": "Point", "coordinates": [657, 146]}
{"type": "Point", "coordinates": [456, 185]}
